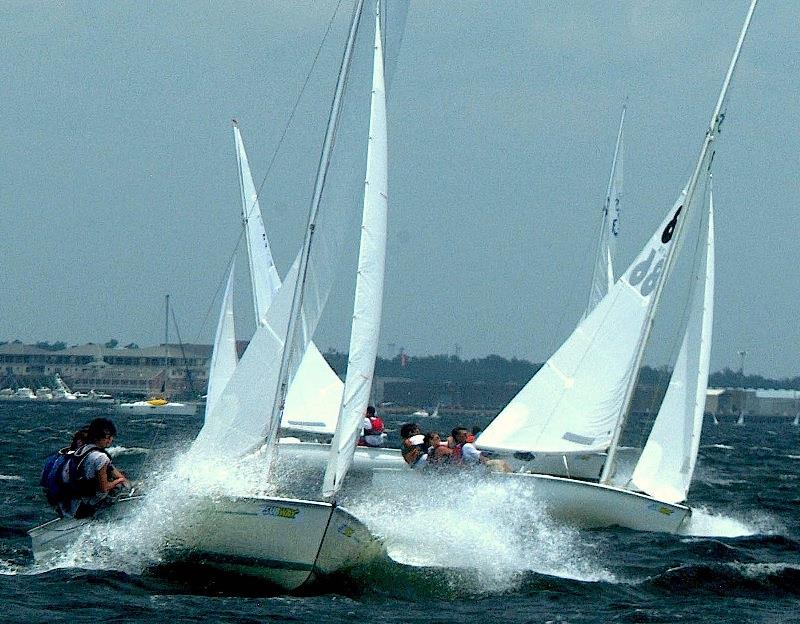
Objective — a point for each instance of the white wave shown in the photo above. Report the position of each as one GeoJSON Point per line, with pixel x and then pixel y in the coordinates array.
{"type": "Point", "coordinates": [487, 532]}
{"type": "Point", "coordinates": [11, 478]}
{"type": "Point", "coordinates": [793, 456]}
{"type": "Point", "coordinates": [116, 451]}
{"type": "Point", "coordinates": [707, 523]}
{"type": "Point", "coordinates": [719, 446]}
{"type": "Point", "coordinates": [760, 570]}
{"type": "Point", "coordinates": [8, 569]}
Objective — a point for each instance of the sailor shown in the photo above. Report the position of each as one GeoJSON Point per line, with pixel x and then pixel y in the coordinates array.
{"type": "Point", "coordinates": [93, 473]}
{"type": "Point", "coordinates": [372, 433]}
{"type": "Point", "coordinates": [413, 447]}
{"type": "Point", "coordinates": [438, 451]}
{"type": "Point", "coordinates": [464, 452]}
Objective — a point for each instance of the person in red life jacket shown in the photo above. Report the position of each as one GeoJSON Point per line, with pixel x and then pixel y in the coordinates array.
{"type": "Point", "coordinates": [413, 446]}
{"type": "Point", "coordinates": [438, 451]}
{"type": "Point", "coordinates": [464, 452]}
{"type": "Point", "coordinates": [372, 433]}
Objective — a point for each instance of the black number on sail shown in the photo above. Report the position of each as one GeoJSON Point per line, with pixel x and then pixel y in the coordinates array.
{"type": "Point", "coordinates": [641, 269]}
{"type": "Point", "coordinates": [666, 235]}
{"type": "Point", "coordinates": [650, 282]}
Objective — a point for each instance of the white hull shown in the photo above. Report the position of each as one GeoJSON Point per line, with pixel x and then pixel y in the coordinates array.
{"type": "Point", "coordinates": [285, 541]}
{"type": "Point", "coordinates": [367, 459]}
{"type": "Point", "coordinates": [288, 542]}
{"type": "Point", "coordinates": [56, 535]}
{"type": "Point", "coordinates": [582, 504]}
{"type": "Point", "coordinates": [144, 408]}
{"type": "Point", "coordinates": [592, 505]}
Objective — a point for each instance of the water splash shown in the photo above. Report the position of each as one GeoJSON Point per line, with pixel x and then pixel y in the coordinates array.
{"type": "Point", "coordinates": [707, 523]}
{"type": "Point", "coordinates": [487, 532]}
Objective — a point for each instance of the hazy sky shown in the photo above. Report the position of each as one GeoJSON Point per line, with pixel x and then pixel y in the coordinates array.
{"type": "Point", "coordinates": [119, 180]}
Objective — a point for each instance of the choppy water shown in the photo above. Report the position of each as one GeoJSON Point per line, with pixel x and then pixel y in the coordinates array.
{"type": "Point", "coordinates": [460, 550]}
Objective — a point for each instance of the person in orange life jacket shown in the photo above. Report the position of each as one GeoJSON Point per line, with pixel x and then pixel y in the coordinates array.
{"type": "Point", "coordinates": [96, 469]}
{"type": "Point", "coordinates": [372, 433]}
{"type": "Point", "coordinates": [464, 452]}
{"type": "Point", "coordinates": [413, 447]}
{"type": "Point", "coordinates": [438, 451]}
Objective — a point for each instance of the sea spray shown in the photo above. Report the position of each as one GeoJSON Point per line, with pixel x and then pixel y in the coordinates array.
{"type": "Point", "coordinates": [487, 531]}
{"type": "Point", "coordinates": [708, 523]}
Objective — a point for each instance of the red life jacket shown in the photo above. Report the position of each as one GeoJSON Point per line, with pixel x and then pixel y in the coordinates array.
{"type": "Point", "coordinates": [376, 426]}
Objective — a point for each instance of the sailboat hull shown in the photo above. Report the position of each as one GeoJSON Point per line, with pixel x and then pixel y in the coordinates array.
{"type": "Point", "coordinates": [55, 536]}
{"type": "Point", "coordinates": [287, 542]}
{"type": "Point", "coordinates": [593, 505]}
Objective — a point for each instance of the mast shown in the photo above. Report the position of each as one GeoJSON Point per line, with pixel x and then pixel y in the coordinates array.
{"type": "Point", "coordinates": [711, 133]}
{"type": "Point", "coordinates": [166, 344]}
{"type": "Point", "coordinates": [295, 325]}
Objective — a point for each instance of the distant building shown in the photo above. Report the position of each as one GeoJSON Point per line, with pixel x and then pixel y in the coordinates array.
{"type": "Point", "coordinates": [722, 402]}
{"type": "Point", "coordinates": [175, 370]}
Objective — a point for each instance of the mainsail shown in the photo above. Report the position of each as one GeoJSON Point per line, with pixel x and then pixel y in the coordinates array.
{"type": "Point", "coordinates": [666, 465]}
{"type": "Point", "coordinates": [603, 271]}
{"type": "Point", "coordinates": [578, 400]}
{"type": "Point", "coordinates": [368, 301]}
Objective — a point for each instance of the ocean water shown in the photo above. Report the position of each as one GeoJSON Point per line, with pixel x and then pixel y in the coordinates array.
{"type": "Point", "coordinates": [459, 549]}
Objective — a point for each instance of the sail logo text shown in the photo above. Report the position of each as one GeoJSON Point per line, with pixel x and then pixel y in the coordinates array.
{"type": "Point", "coordinates": [290, 513]}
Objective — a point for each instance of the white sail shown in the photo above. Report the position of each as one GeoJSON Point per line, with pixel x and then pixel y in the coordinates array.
{"type": "Point", "coordinates": [312, 404]}
{"type": "Point", "coordinates": [667, 463]}
{"type": "Point", "coordinates": [603, 272]}
{"type": "Point", "coordinates": [315, 261]}
{"type": "Point", "coordinates": [368, 301]}
{"type": "Point", "coordinates": [239, 420]}
{"type": "Point", "coordinates": [574, 401]}
{"type": "Point", "coordinates": [223, 357]}
{"type": "Point", "coordinates": [264, 277]}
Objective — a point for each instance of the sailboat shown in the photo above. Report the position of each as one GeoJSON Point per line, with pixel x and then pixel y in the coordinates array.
{"type": "Point", "coordinates": [159, 405]}
{"type": "Point", "coordinates": [287, 540]}
{"type": "Point", "coordinates": [291, 541]}
{"type": "Point", "coordinates": [796, 421]}
{"type": "Point", "coordinates": [578, 402]}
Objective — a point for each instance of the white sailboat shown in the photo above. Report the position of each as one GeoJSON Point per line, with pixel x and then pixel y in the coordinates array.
{"type": "Point", "coordinates": [315, 394]}
{"type": "Point", "coordinates": [290, 541]}
{"type": "Point", "coordinates": [577, 404]}
{"type": "Point", "coordinates": [286, 539]}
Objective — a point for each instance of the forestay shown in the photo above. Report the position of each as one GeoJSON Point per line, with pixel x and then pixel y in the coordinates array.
{"type": "Point", "coordinates": [667, 463]}
{"type": "Point", "coordinates": [368, 302]}
{"type": "Point", "coordinates": [574, 401]}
